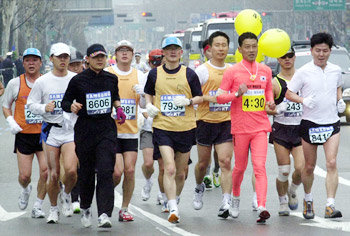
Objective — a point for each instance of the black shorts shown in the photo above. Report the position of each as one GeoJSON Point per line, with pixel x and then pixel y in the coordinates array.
{"type": "Point", "coordinates": [156, 155]}
{"type": "Point", "coordinates": [178, 141]}
{"type": "Point", "coordinates": [317, 134]}
{"type": "Point", "coordinates": [127, 145]}
{"type": "Point", "coordinates": [208, 134]}
{"type": "Point", "coordinates": [285, 135]}
{"type": "Point", "coordinates": [27, 143]}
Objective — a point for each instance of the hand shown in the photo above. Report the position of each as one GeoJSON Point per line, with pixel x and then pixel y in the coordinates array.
{"type": "Point", "coordinates": [242, 89]}
{"type": "Point", "coordinates": [282, 107]}
{"type": "Point", "coordinates": [138, 89]}
{"type": "Point", "coordinates": [50, 106]}
{"type": "Point", "coordinates": [271, 105]}
{"type": "Point", "coordinates": [140, 121]}
{"type": "Point", "coordinates": [15, 128]}
{"type": "Point", "coordinates": [120, 115]}
{"type": "Point", "coordinates": [152, 110]}
{"type": "Point", "coordinates": [69, 120]}
{"type": "Point", "coordinates": [220, 91]}
{"type": "Point", "coordinates": [309, 101]}
{"type": "Point", "coordinates": [181, 101]}
{"type": "Point", "coordinates": [75, 107]}
{"type": "Point", "coordinates": [341, 105]}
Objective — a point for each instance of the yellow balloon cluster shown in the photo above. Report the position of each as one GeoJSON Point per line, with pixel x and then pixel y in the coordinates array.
{"type": "Point", "coordinates": [274, 43]}
{"type": "Point", "coordinates": [248, 20]}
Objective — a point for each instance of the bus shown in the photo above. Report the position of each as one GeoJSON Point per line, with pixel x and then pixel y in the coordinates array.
{"type": "Point", "coordinates": [226, 25]}
{"type": "Point", "coordinates": [192, 52]}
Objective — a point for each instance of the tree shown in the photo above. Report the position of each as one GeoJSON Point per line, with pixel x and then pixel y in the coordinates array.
{"type": "Point", "coordinates": [7, 14]}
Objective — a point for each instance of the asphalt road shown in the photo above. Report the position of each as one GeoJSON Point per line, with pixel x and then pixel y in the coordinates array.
{"type": "Point", "coordinates": [150, 221]}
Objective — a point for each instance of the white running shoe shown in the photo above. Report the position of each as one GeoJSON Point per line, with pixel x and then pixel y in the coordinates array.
{"type": "Point", "coordinates": [234, 210]}
{"type": "Point", "coordinates": [292, 200]}
{"type": "Point", "coordinates": [76, 207]}
{"type": "Point", "coordinates": [224, 210]}
{"type": "Point", "coordinates": [284, 210]}
{"type": "Point", "coordinates": [104, 221]}
{"type": "Point", "coordinates": [146, 190]}
{"type": "Point", "coordinates": [263, 215]}
{"type": "Point", "coordinates": [37, 212]}
{"type": "Point", "coordinates": [165, 207]}
{"type": "Point", "coordinates": [86, 218]}
{"type": "Point", "coordinates": [254, 204]}
{"type": "Point", "coordinates": [66, 200]}
{"type": "Point", "coordinates": [24, 197]}
{"type": "Point", "coordinates": [160, 199]}
{"type": "Point", "coordinates": [197, 198]}
{"type": "Point", "coordinates": [53, 216]}
{"type": "Point", "coordinates": [174, 216]}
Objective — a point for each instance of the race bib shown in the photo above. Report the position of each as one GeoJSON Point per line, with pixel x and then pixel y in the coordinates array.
{"type": "Point", "coordinates": [320, 134]}
{"type": "Point", "coordinates": [293, 109]}
{"type": "Point", "coordinates": [32, 118]}
{"type": "Point", "coordinates": [129, 108]}
{"type": "Point", "coordinates": [253, 100]}
{"type": "Point", "coordinates": [213, 106]}
{"type": "Point", "coordinates": [167, 107]}
{"type": "Point", "coordinates": [57, 99]}
{"type": "Point", "coordinates": [98, 103]}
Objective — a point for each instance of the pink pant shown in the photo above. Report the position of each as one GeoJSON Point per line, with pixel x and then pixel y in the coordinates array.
{"type": "Point", "coordinates": [257, 142]}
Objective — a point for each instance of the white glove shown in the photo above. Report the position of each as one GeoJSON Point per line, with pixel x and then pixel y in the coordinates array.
{"type": "Point", "coordinates": [69, 120]}
{"type": "Point", "coordinates": [138, 89]}
{"type": "Point", "coordinates": [309, 101]}
{"type": "Point", "coordinates": [282, 107]}
{"type": "Point", "coordinates": [152, 110]}
{"type": "Point", "coordinates": [181, 101]}
{"type": "Point", "coordinates": [140, 120]}
{"type": "Point", "coordinates": [341, 105]}
{"type": "Point", "coordinates": [15, 128]}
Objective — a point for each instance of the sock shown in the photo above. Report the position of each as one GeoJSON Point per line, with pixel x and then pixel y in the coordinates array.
{"type": "Point", "coordinates": [165, 199]}
{"type": "Point", "coordinates": [54, 208]}
{"type": "Point", "coordinates": [124, 209]}
{"type": "Point", "coordinates": [149, 181]}
{"type": "Point", "coordinates": [308, 197]}
{"type": "Point", "coordinates": [330, 201]}
{"type": "Point", "coordinates": [38, 203]}
{"type": "Point", "coordinates": [234, 197]}
{"type": "Point", "coordinates": [283, 199]}
{"type": "Point", "coordinates": [199, 187]}
{"type": "Point", "coordinates": [293, 187]}
{"type": "Point", "coordinates": [66, 195]}
{"type": "Point", "coordinates": [172, 205]}
{"type": "Point", "coordinates": [208, 170]}
{"type": "Point", "coordinates": [226, 197]}
{"type": "Point", "coordinates": [177, 199]}
{"type": "Point", "coordinates": [26, 189]}
{"type": "Point", "coordinates": [254, 196]}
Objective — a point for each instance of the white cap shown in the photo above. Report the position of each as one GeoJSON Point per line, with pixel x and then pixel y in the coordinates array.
{"type": "Point", "coordinates": [59, 49]}
{"type": "Point", "coordinates": [124, 43]}
{"type": "Point", "coordinates": [9, 54]}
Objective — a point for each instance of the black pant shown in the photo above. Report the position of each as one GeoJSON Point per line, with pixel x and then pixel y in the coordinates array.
{"type": "Point", "coordinates": [76, 190]}
{"type": "Point", "coordinates": [102, 158]}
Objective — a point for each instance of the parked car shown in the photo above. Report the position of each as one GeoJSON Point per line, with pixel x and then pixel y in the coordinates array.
{"type": "Point", "coordinates": [339, 56]}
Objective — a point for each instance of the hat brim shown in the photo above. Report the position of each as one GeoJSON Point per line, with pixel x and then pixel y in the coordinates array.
{"type": "Point", "coordinates": [94, 54]}
{"type": "Point", "coordinates": [132, 49]}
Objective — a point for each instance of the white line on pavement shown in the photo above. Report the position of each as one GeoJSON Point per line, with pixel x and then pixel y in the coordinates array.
{"type": "Point", "coordinates": [155, 218]}
{"type": "Point", "coordinates": [322, 173]}
{"type": "Point", "coordinates": [5, 216]}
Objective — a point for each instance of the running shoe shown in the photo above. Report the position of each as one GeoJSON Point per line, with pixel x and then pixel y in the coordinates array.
{"type": "Point", "coordinates": [159, 199]}
{"type": "Point", "coordinates": [53, 216]}
{"type": "Point", "coordinates": [174, 216]}
{"type": "Point", "coordinates": [104, 221]}
{"type": "Point", "coordinates": [198, 195]}
{"type": "Point", "coordinates": [24, 197]}
{"type": "Point", "coordinates": [234, 210]}
{"type": "Point", "coordinates": [146, 191]}
{"type": "Point", "coordinates": [263, 215]}
{"type": "Point", "coordinates": [86, 218]}
{"type": "Point", "coordinates": [331, 212]}
{"type": "Point", "coordinates": [124, 215]}
{"type": "Point", "coordinates": [76, 207]}
{"type": "Point", "coordinates": [292, 201]}
{"type": "Point", "coordinates": [66, 200]}
{"type": "Point", "coordinates": [37, 213]}
{"type": "Point", "coordinates": [284, 210]}
{"type": "Point", "coordinates": [254, 204]}
{"type": "Point", "coordinates": [165, 207]}
{"type": "Point", "coordinates": [216, 179]}
{"type": "Point", "coordinates": [308, 212]}
{"type": "Point", "coordinates": [224, 210]}
{"type": "Point", "coordinates": [208, 183]}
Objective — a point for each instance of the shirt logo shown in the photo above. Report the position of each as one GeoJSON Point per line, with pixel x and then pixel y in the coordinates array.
{"type": "Point", "coordinates": [262, 78]}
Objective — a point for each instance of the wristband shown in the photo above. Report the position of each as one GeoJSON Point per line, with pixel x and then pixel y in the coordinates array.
{"type": "Point", "coordinates": [236, 94]}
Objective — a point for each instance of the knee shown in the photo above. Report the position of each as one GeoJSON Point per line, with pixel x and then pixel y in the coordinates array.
{"type": "Point", "coordinates": [71, 173]}
{"type": "Point", "coordinates": [202, 165]}
{"type": "Point", "coordinates": [283, 173]}
{"type": "Point", "coordinates": [129, 172]}
{"type": "Point", "coordinates": [24, 178]}
{"type": "Point", "coordinates": [298, 169]}
{"type": "Point", "coordinates": [181, 175]}
{"type": "Point", "coordinates": [148, 164]}
{"type": "Point", "coordinates": [331, 165]}
{"type": "Point", "coordinates": [44, 174]}
{"type": "Point", "coordinates": [226, 164]}
{"type": "Point", "coordinates": [309, 168]}
{"type": "Point", "coordinates": [170, 171]}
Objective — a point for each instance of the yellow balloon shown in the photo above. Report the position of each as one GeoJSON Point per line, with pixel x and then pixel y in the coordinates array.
{"type": "Point", "coordinates": [238, 56]}
{"type": "Point", "coordinates": [248, 20]}
{"type": "Point", "coordinates": [260, 57]}
{"type": "Point", "coordinates": [274, 43]}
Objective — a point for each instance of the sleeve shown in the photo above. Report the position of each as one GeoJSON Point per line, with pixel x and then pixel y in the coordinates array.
{"type": "Point", "coordinates": [34, 100]}
{"type": "Point", "coordinates": [11, 93]}
{"type": "Point", "coordinates": [151, 82]}
{"type": "Point", "coordinates": [296, 82]}
{"type": "Point", "coordinates": [269, 91]}
{"type": "Point", "coordinates": [227, 81]}
{"type": "Point", "coordinates": [203, 74]}
{"type": "Point", "coordinates": [193, 81]}
{"type": "Point", "coordinates": [115, 95]}
{"type": "Point", "coordinates": [69, 96]}
{"type": "Point", "coordinates": [340, 82]}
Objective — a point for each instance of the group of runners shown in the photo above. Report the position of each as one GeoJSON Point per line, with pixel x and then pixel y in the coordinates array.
{"type": "Point", "coordinates": [87, 124]}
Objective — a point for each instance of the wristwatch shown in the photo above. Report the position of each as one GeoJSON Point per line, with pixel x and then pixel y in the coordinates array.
{"type": "Point", "coordinates": [236, 94]}
{"type": "Point", "coordinates": [191, 101]}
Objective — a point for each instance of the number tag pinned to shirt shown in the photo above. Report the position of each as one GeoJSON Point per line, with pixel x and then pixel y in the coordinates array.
{"type": "Point", "coordinates": [168, 108]}
{"type": "Point", "coordinates": [98, 103]}
{"type": "Point", "coordinates": [293, 109]}
{"type": "Point", "coordinates": [129, 108]}
{"type": "Point", "coordinates": [32, 118]}
{"type": "Point", "coordinates": [57, 99]}
{"type": "Point", "coordinates": [253, 100]}
{"type": "Point", "coordinates": [213, 106]}
{"type": "Point", "coordinates": [320, 134]}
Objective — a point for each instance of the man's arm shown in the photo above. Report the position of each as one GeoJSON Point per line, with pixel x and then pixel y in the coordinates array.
{"type": "Point", "coordinates": [34, 101]}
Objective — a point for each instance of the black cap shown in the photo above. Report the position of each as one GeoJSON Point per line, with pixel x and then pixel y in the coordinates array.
{"type": "Point", "coordinates": [95, 50]}
{"type": "Point", "coordinates": [76, 57]}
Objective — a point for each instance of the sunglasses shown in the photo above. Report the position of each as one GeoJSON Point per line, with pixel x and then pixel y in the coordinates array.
{"type": "Point", "coordinates": [289, 55]}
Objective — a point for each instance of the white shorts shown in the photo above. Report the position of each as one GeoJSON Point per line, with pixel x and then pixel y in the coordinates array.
{"type": "Point", "coordinates": [59, 136]}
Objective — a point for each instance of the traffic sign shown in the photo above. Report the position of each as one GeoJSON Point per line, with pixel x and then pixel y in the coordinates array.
{"type": "Point", "coordinates": [316, 5]}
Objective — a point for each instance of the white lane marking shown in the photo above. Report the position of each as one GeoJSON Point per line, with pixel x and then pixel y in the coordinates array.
{"type": "Point", "coordinates": [322, 173]}
{"type": "Point", "coordinates": [166, 224]}
{"type": "Point", "coordinates": [5, 216]}
{"type": "Point", "coordinates": [324, 223]}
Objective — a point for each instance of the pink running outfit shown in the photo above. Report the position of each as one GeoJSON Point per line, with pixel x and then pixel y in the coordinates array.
{"type": "Point", "coordinates": [249, 121]}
